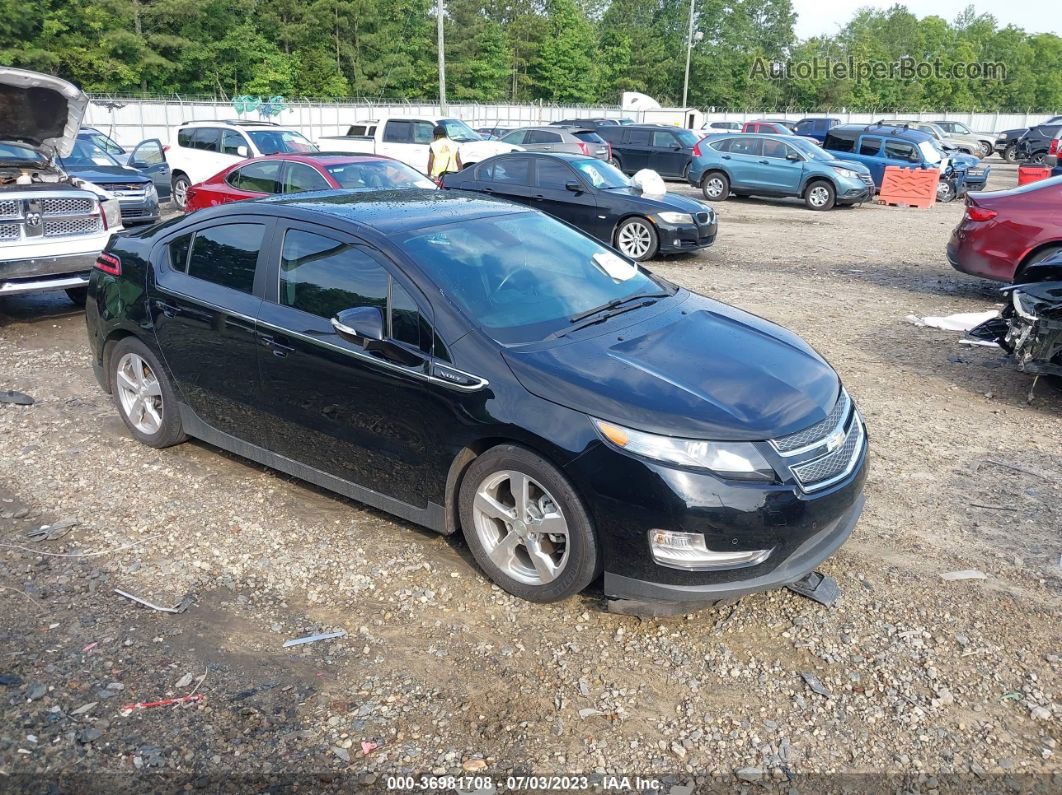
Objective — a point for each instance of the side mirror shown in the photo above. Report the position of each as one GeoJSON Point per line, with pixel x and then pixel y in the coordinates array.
{"type": "Point", "coordinates": [573, 186]}
{"type": "Point", "coordinates": [915, 158]}
{"type": "Point", "coordinates": [794, 157]}
{"type": "Point", "coordinates": [243, 151]}
{"type": "Point", "coordinates": [361, 325]}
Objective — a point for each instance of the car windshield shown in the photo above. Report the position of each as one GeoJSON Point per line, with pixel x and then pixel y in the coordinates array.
{"type": "Point", "coordinates": [86, 155]}
{"type": "Point", "coordinates": [523, 276]}
{"type": "Point", "coordinates": [457, 130]}
{"type": "Point", "coordinates": [960, 128]}
{"type": "Point", "coordinates": [601, 174]}
{"type": "Point", "coordinates": [377, 175]}
{"type": "Point", "coordinates": [687, 137]}
{"type": "Point", "coordinates": [18, 153]}
{"type": "Point", "coordinates": [271, 142]}
{"type": "Point", "coordinates": [104, 143]}
{"type": "Point", "coordinates": [929, 152]}
{"type": "Point", "coordinates": [811, 149]}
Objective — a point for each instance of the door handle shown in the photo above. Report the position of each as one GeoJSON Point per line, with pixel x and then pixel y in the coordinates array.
{"type": "Point", "coordinates": [765, 162]}
{"type": "Point", "coordinates": [540, 196]}
{"type": "Point", "coordinates": [488, 190]}
{"type": "Point", "coordinates": [726, 157]}
{"type": "Point", "coordinates": [279, 349]}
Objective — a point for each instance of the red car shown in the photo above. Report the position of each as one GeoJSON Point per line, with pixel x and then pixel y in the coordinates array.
{"type": "Point", "coordinates": [297, 173]}
{"type": "Point", "coordinates": [1005, 232]}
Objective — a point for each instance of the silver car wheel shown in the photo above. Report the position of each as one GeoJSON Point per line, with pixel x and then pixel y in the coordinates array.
{"type": "Point", "coordinates": [140, 394]}
{"type": "Point", "coordinates": [180, 193]}
{"type": "Point", "coordinates": [521, 527]}
{"type": "Point", "coordinates": [713, 188]}
{"type": "Point", "coordinates": [818, 196]}
{"type": "Point", "coordinates": [635, 239]}
{"type": "Point", "coordinates": [943, 191]}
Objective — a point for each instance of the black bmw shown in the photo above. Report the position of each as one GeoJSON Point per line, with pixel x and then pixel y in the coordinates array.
{"type": "Point", "coordinates": [474, 366]}
{"type": "Point", "coordinates": [597, 198]}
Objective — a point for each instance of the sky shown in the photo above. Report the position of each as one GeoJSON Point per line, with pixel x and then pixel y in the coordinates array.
{"type": "Point", "coordinates": [827, 16]}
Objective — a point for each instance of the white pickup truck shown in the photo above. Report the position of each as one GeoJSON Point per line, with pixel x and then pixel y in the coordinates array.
{"type": "Point", "coordinates": [407, 139]}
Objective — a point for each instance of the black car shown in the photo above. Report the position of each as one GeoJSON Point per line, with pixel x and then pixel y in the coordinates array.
{"type": "Point", "coordinates": [591, 124]}
{"type": "Point", "coordinates": [595, 197]}
{"type": "Point", "coordinates": [1035, 144]}
{"type": "Point", "coordinates": [666, 150]}
{"type": "Point", "coordinates": [468, 364]}
{"type": "Point", "coordinates": [1007, 141]}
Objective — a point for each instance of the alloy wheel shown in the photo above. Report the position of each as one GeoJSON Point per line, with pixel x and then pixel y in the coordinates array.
{"type": "Point", "coordinates": [818, 196]}
{"type": "Point", "coordinates": [943, 191]}
{"type": "Point", "coordinates": [180, 193]}
{"type": "Point", "coordinates": [713, 188]}
{"type": "Point", "coordinates": [521, 527]}
{"type": "Point", "coordinates": [635, 239]}
{"type": "Point", "coordinates": [140, 394]}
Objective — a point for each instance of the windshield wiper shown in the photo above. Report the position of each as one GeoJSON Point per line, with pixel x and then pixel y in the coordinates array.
{"type": "Point", "coordinates": [615, 302]}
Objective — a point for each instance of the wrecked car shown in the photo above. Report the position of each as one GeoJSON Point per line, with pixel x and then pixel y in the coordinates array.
{"type": "Point", "coordinates": [1030, 326]}
{"type": "Point", "coordinates": [52, 225]}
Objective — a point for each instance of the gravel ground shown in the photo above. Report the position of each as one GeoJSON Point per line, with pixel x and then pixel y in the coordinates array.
{"type": "Point", "coordinates": [909, 675]}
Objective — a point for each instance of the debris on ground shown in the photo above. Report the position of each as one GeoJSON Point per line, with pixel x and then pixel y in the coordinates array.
{"type": "Point", "coordinates": [818, 587]}
{"type": "Point", "coordinates": [966, 574]}
{"type": "Point", "coordinates": [963, 321]}
{"type": "Point", "coordinates": [16, 398]}
{"type": "Point", "coordinates": [166, 702]}
{"type": "Point", "coordinates": [815, 683]}
{"type": "Point", "coordinates": [314, 638]}
{"type": "Point", "coordinates": [52, 532]}
{"type": "Point", "coordinates": [367, 747]}
{"type": "Point", "coordinates": [180, 607]}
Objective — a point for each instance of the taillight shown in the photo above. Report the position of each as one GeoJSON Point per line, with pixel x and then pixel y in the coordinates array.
{"type": "Point", "coordinates": [1053, 150]}
{"type": "Point", "coordinates": [975, 213]}
{"type": "Point", "coordinates": [697, 149]}
{"type": "Point", "coordinates": [108, 263]}
{"type": "Point", "coordinates": [584, 148]}
{"type": "Point", "coordinates": [166, 148]}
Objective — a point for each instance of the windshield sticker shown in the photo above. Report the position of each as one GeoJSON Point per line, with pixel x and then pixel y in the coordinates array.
{"type": "Point", "coordinates": [617, 268]}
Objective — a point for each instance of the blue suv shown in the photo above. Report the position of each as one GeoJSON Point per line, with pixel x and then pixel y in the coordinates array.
{"type": "Point", "coordinates": [877, 146]}
{"type": "Point", "coordinates": [813, 127]}
{"type": "Point", "coordinates": [754, 164]}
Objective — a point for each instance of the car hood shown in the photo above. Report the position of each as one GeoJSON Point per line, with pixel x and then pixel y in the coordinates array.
{"type": "Point", "coordinates": [40, 110]}
{"type": "Point", "coordinates": [104, 174]}
{"type": "Point", "coordinates": [851, 165]}
{"type": "Point", "coordinates": [660, 203]}
{"type": "Point", "coordinates": [699, 369]}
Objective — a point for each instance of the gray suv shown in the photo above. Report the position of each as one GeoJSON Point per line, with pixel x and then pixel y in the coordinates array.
{"type": "Point", "coordinates": [568, 140]}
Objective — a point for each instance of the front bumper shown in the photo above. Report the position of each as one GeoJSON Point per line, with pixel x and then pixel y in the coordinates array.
{"type": "Point", "coordinates": [45, 273]}
{"type": "Point", "coordinates": [676, 238]}
{"type": "Point", "coordinates": [139, 211]}
{"type": "Point", "coordinates": [856, 195]}
{"type": "Point", "coordinates": [802, 560]}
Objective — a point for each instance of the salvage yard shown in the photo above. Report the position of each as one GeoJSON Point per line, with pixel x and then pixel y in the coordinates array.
{"type": "Point", "coordinates": [439, 669]}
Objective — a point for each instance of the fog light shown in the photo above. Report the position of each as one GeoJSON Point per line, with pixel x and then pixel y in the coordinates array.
{"type": "Point", "coordinates": [688, 551]}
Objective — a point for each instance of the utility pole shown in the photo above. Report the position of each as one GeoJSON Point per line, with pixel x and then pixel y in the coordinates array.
{"type": "Point", "coordinates": [689, 49]}
{"type": "Point", "coordinates": [440, 14]}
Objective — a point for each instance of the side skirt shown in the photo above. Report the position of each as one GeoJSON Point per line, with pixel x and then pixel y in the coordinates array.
{"type": "Point", "coordinates": [432, 516]}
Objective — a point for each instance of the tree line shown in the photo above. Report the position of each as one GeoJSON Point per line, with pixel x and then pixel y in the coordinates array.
{"type": "Point", "coordinates": [560, 51]}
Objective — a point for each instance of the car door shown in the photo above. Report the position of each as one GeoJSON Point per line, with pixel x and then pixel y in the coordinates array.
{"type": "Point", "coordinates": [544, 141]}
{"type": "Point", "coordinates": [204, 307]}
{"type": "Point", "coordinates": [635, 149]}
{"type": "Point", "coordinates": [149, 158]}
{"type": "Point", "coordinates": [359, 413]}
{"type": "Point", "coordinates": [746, 152]}
{"type": "Point", "coordinates": [868, 152]}
{"type": "Point", "coordinates": [781, 174]}
{"type": "Point", "coordinates": [668, 157]}
{"type": "Point", "coordinates": [508, 178]}
{"type": "Point", "coordinates": [301, 177]}
{"type": "Point", "coordinates": [552, 195]}
{"type": "Point", "coordinates": [397, 142]}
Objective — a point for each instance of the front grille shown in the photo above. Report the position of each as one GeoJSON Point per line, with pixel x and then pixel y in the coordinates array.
{"type": "Point", "coordinates": [702, 218]}
{"type": "Point", "coordinates": [133, 212]}
{"type": "Point", "coordinates": [133, 188]}
{"type": "Point", "coordinates": [66, 206]}
{"type": "Point", "coordinates": [8, 231]}
{"type": "Point", "coordinates": [821, 472]}
{"type": "Point", "coordinates": [71, 226]}
{"type": "Point", "coordinates": [867, 179]}
{"type": "Point", "coordinates": [817, 432]}
{"type": "Point", "coordinates": [9, 209]}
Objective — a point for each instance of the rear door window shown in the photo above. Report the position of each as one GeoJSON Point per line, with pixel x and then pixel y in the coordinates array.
{"type": "Point", "coordinates": [207, 139]}
{"type": "Point", "coordinates": [226, 255]}
{"type": "Point", "coordinates": [638, 137]}
{"type": "Point", "coordinates": [747, 146]}
{"type": "Point", "coordinates": [261, 177]}
{"type": "Point", "coordinates": [664, 140]}
{"type": "Point", "coordinates": [514, 171]}
{"type": "Point", "coordinates": [869, 146]}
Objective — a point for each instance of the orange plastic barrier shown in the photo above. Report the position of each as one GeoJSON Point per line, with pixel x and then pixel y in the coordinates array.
{"type": "Point", "coordinates": [914, 187]}
{"type": "Point", "coordinates": [1027, 174]}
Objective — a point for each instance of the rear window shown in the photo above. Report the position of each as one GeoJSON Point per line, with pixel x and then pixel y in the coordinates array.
{"type": "Point", "coordinates": [589, 137]}
{"type": "Point", "coordinates": [226, 255]}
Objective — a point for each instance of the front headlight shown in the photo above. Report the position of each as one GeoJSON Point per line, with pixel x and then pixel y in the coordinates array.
{"type": "Point", "coordinates": [847, 173]}
{"type": "Point", "coordinates": [675, 218]}
{"type": "Point", "coordinates": [112, 213]}
{"type": "Point", "coordinates": [150, 192]}
{"type": "Point", "coordinates": [1024, 306]}
{"type": "Point", "coordinates": [735, 460]}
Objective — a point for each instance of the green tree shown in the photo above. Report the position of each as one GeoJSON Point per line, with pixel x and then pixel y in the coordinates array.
{"type": "Point", "coordinates": [564, 71]}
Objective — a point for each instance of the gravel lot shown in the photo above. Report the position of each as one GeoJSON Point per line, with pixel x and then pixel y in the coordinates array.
{"type": "Point", "coordinates": [910, 675]}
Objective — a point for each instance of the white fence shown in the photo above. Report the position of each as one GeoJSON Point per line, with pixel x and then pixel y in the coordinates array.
{"type": "Point", "coordinates": [130, 120]}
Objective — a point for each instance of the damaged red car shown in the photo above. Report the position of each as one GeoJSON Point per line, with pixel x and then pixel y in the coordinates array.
{"type": "Point", "coordinates": [1006, 234]}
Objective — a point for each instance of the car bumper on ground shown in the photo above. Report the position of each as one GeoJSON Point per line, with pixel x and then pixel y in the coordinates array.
{"type": "Point", "coordinates": [676, 238]}
{"type": "Point", "coordinates": [45, 273]}
{"type": "Point", "coordinates": [785, 530]}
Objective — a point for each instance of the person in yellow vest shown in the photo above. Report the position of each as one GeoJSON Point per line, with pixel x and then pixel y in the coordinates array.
{"type": "Point", "coordinates": [443, 155]}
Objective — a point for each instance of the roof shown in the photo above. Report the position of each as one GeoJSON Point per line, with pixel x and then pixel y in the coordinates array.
{"type": "Point", "coordinates": [884, 129]}
{"type": "Point", "coordinates": [392, 211]}
{"type": "Point", "coordinates": [320, 157]}
{"type": "Point", "coordinates": [237, 123]}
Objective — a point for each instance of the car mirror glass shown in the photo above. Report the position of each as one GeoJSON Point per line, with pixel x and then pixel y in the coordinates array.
{"type": "Point", "coordinates": [794, 157]}
{"type": "Point", "coordinates": [360, 324]}
{"type": "Point", "coordinates": [243, 151]}
{"type": "Point", "coordinates": [573, 186]}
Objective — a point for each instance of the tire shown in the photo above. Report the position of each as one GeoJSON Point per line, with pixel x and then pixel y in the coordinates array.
{"type": "Point", "coordinates": [617, 163]}
{"type": "Point", "coordinates": [78, 295]}
{"type": "Point", "coordinates": [820, 195]}
{"type": "Point", "coordinates": [1010, 154]}
{"type": "Point", "coordinates": [945, 191]}
{"type": "Point", "coordinates": [986, 149]}
{"type": "Point", "coordinates": [159, 426]}
{"type": "Point", "coordinates": [715, 186]}
{"type": "Point", "coordinates": [1038, 158]}
{"type": "Point", "coordinates": [507, 546]}
{"type": "Point", "coordinates": [181, 184]}
{"type": "Point", "coordinates": [637, 238]}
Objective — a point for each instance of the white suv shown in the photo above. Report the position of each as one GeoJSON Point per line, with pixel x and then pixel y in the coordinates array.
{"type": "Point", "coordinates": [204, 148]}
